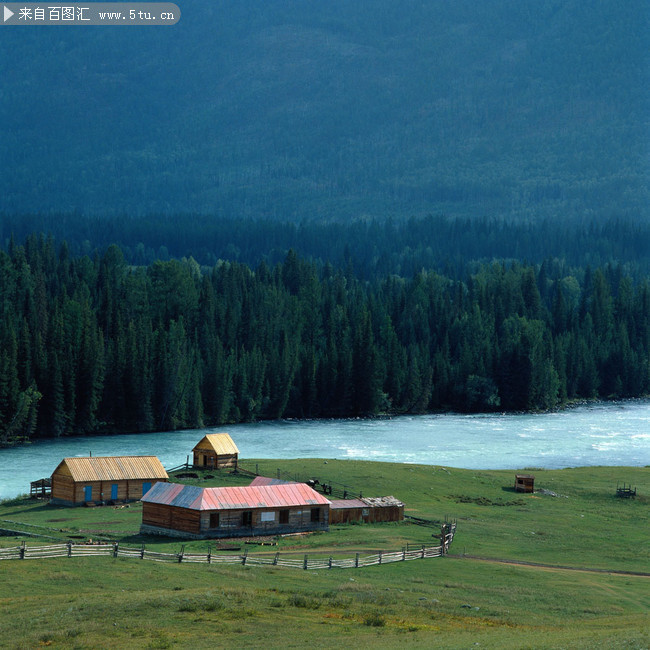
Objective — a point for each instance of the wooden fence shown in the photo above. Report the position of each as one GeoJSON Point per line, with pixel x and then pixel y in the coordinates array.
{"type": "Point", "coordinates": [24, 552]}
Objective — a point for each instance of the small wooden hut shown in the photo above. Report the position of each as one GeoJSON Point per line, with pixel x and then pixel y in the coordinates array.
{"type": "Point", "coordinates": [100, 479]}
{"type": "Point", "coordinates": [193, 512]}
{"type": "Point", "coordinates": [524, 483]}
{"type": "Point", "coordinates": [216, 450]}
{"type": "Point", "coordinates": [366, 509]}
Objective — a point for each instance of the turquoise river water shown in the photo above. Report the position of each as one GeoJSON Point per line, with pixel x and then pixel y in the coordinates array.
{"type": "Point", "coordinates": [613, 433]}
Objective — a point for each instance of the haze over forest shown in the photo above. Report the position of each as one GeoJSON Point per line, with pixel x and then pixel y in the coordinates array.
{"type": "Point", "coordinates": [294, 110]}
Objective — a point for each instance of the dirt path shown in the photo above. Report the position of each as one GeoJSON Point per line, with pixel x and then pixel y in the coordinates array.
{"type": "Point", "coordinates": [548, 567]}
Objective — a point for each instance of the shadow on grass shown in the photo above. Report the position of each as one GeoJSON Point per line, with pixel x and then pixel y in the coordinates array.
{"type": "Point", "coordinates": [29, 507]}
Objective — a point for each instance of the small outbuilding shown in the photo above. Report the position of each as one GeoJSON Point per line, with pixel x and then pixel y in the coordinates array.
{"type": "Point", "coordinates": [524, 483]}
{"type": "Point", "coordinates": [216, 451]}
{"type": "Point", "coordinates": [193, 512]}
{"type": "Point", "coordinates": [94, 480]}
{"type": "Point", "coordinates": [366, 509]}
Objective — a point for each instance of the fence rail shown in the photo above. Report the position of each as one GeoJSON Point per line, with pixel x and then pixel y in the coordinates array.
{"type": "Point", "coordinates": [25, 552]}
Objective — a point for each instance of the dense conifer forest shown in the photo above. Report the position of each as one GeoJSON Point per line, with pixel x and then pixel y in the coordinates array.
{"type": "Point", "coordinates": [308, 110]}
{"type": "Point", "coordinates": [96, 344]}
{"type": "Point", "coordinates": [306, 209]}
{"type": "Point", "coordinates": [371, 248]}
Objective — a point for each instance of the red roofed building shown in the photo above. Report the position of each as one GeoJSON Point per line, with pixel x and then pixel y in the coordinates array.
{"type": "Point", "coordinates": [194, 512]}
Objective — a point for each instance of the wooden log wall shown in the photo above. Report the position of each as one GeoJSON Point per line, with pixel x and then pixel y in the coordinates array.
{"type": "Point", "coordinates": [263, 522]}
{"type": "Point", "coordinates": [208, 458]}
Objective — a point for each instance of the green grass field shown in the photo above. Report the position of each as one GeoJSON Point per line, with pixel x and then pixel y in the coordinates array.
{"type": "Point", "coordinates": [590, 593]}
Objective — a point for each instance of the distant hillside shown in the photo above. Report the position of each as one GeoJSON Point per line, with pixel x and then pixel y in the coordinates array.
{"type": "Point", "coordinates": [311, 110]}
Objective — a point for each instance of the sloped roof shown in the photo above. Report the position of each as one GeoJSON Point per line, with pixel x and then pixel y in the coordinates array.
{"type": "Point", "coordinates": [234, 498]}
{"type": "Point", "coordinates": [345, 504]}
{"type": "Point", "coordinates": [220, 443]}
{"type": "Point", "coordinates": [265, 480]}
{"type": "Point", "coordinates": [112, 468]}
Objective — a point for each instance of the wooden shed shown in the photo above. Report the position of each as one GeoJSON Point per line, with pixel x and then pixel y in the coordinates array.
{"type": "Point", "coordinates": [193, 512]}
{"type": "Point", "coordinates": [366, 509]}
{"type": "Point", "coordinates": [524, 483]}
{"type": "Point", "coordinates": [100, 479]}
{"type": "Point", "coordinates": [216, 450]}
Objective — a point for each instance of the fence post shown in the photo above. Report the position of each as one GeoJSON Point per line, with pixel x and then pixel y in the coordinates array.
{"type": "Point", "coordinates": [180, 555]}
{"type": "Point", "coordinates": [379, 557]}
{"type": "Point", "coordinates": [243, 559]}
{"type": "Point", "coordinates": [142, 552]}
{"type": "Point", "coordinates": [115, 548]}
{"type": "Point", "coordinates": [304, 564]}
{"type": "Point", "coordinates": [275, 559]}
{"type": "Point", "coordinates": [443, 538]}
{"type": "Point", "coordinates": [209, 553]}
{"type": "Point", "coordinates": [330, 562]}
{"type": "Point", "coordinates": [69, 549]}
{"type": "Point", "coordinates": [356, 561]}
{"type": "Point", "coordinates": [21, 552]}
{"type": "Point", "coordinates": [422, 551]}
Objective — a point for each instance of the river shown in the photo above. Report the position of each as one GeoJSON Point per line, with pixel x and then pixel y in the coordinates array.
{"type": "Point", "coordinates": [612, 433]}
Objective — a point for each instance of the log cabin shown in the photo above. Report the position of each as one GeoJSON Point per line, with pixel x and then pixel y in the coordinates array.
{"type": "Point", "coordinates": [103, 479]}
{"type": "Point", "coordinates": [193, 512]}
{"type": "Point", "coordinates": [216, 451]}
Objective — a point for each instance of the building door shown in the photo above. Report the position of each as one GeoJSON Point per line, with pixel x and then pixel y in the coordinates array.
{"type": "Point", "coordinates": [247, 518]}
{"type": "Point", "coordinates": [88, 493]}
{"type": "Point", "coordinates": [114, 491]}
{"type": "Point", "coordinates": [146, 487]}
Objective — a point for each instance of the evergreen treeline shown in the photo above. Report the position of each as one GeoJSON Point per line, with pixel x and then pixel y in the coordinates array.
{"type": "Point", "coordinates": [91, 345]}
{"type": "Point", "coordinates": [371, 248]}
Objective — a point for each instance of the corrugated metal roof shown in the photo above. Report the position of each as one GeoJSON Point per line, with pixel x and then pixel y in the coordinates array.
{"type": "Point", "coordinates": [221, 443]}
{"type": "Point", "coordinates": [234, 498]}
{"type": "Point", "coordinates": [174, 494]}
{"type": "Point", "coordinates": [265, 480]}
{"type": "Point", "coordinates": [114, 468]}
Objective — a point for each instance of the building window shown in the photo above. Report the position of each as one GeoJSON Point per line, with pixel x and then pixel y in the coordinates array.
{"type": "Point", "coordinates": [315, 514]}
{"type": "Point", "coordinates": [284, 516]}
{"type": "Point", "coordinates": [247, 518]}
{"type": "Point", "coordinates": [214, 520]}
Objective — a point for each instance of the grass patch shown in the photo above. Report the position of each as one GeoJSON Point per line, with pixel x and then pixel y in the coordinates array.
{"type": "Point", "coordinates": [448, 602]}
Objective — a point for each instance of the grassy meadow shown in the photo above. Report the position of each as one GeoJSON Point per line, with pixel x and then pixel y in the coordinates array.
{"type": "Point", "coordinates": [590, 593]}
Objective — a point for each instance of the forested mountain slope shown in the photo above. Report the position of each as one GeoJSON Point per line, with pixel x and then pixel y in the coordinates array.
{"type": "Point", "coordinates": [298, 109]}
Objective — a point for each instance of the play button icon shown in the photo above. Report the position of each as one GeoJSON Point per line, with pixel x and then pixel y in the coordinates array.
{"type": "Point", "coordinates": [8, 14]}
